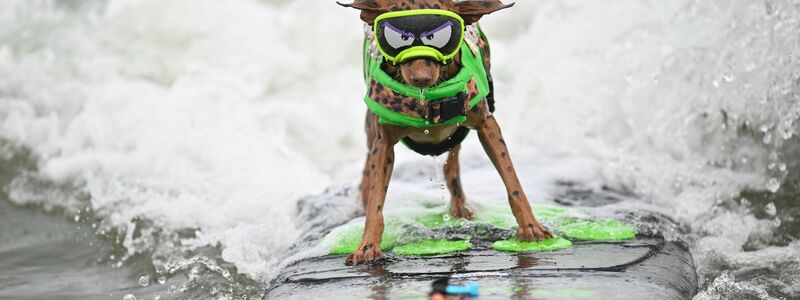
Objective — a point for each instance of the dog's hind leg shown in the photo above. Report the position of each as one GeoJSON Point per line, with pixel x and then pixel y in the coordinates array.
{"type": "Point", "coordinates": [371, 128]}
{"type": "Point", "coordinates": [495, 146]}
{"type": "Point", "coordinates": [452, 170]}
{"type": "Point", "coordinates": [381, 164]}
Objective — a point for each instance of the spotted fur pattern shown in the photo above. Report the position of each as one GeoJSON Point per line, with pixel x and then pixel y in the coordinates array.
{"type": "Point", "coordinates": [472, 38]}
{"type": "Point", "coordinates": [472, 90]}
{"type": "Point", "coordinates": [400, 5]}
{"type": "Point", "coordinates": [482, 45]}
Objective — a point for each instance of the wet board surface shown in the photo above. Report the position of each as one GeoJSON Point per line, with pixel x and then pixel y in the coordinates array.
{"type": "Point", "coordinates": [647, 267]}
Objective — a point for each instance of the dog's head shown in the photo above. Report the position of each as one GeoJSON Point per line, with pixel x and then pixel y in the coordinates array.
{"type": "Point", "coordinates": [425, 72]}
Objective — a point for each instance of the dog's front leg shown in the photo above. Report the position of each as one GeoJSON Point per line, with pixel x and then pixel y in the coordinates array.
{"type": "Point", "coordinates": [495, 146]}
{"type": "Point", "coordinates": [458, 202]}
{"type": "Point", "coordinates": [371, 128]}
{"type": "Point", "coordinates": [381, 163]}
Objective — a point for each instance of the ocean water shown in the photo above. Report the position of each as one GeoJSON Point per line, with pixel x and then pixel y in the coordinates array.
{"type": "Point", "coordinates": [159, 149]}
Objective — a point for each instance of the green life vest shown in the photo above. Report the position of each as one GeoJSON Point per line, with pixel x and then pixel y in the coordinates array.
{"type": "Point", "coordinates": [399, 104]}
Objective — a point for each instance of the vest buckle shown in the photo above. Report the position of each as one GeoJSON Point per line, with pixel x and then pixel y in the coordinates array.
{"type": "Point", "coordinates": [443, 110]}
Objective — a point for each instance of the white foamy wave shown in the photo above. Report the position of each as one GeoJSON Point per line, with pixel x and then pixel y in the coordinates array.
{"type": "Point", "coordinates": [192, 114]}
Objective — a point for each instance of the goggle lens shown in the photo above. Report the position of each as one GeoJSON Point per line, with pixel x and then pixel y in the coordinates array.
{"type": "Point", "coordinates": [408, 34]}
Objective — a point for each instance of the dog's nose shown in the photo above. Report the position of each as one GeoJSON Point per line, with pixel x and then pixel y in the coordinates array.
{"type": "Point", "coordinates": [420, 73]}
{"type": "Point", "coordinates": [421, 80]}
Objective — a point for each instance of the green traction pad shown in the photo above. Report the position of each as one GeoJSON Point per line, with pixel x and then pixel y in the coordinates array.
{"type": "Point", "coordinates": [500, 217]}
{"type": "Point", "coordinates": [435, 247]}
{"type": "Point", "coordinates": [348, 241]}
{"type": "Point", "coordinates": [598, 230]}
{"type": "Point", "coordinates": [556, 243]}
{"type": "Point", "coordinates": [439, 220]}
{"type": "Point", "coordinates": [345, 240]}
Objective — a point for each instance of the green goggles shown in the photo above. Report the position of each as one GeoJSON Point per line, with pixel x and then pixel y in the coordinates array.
{"type": "Point", "coordinates": [407, 34]}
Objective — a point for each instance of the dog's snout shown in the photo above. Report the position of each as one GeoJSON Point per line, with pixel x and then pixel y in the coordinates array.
{"type": "Point", "coordinates": [420, 73]}
{"type": "Point", "coordinates": [421, 79]}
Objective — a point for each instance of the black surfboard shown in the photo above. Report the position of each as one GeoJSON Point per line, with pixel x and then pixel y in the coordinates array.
{"type": "Point", "coordinates": [647, 267]}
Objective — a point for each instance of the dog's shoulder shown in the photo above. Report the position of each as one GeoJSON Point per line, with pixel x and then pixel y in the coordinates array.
{"type": "Point", "coordinates": [474, 38]}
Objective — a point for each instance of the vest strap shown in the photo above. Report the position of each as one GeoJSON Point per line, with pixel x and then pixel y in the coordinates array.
{"type": "Point", "coordinates": [398, 104]}
{"type": "Point", "coordinates": [435, 112]}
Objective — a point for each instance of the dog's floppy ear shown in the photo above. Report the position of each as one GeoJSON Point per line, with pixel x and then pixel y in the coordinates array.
{"type": "Point", "coordinates": [370, 9]}
{"type": "Point", "coordinates": [473, 10]}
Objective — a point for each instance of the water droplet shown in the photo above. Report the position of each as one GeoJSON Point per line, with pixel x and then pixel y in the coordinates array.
{"type": "Point", "coordinates": [678, 183]}
{"type": "Point", "coordinates": [768, 138]}
{"type": "Point", "coordinates": [728, 77]}
{"type": "Point", "coordinates": [162, 280]}
{"type": "Point", "coordinates": [787, 134]}
{"type": "Point", "coordinates": [750, 67]}
{"type": "Point", "coordinates": [764, 128]}
{"type": "Point", "coordinates": [744, 202]}
{"type": "Point", "coordinates": [156, 297]}
{"type": "Point", "coordinates": [172, 289]}
{"type": "Point", "coordinates": [771, 209]}
{"type": "Point", "coordinates": [77, 218]}
{"type": "Point", "coordinates": [773, 185]}
{"type": "Point", "coordinates": [715, 83]}
{"type": "Point", "coordinates": [214, 290]}
{"type": "Point", "coordinates": [144, 280]}
{"type": "Point", "coordinates": [782, 167]}
{"type": "Point", "coordinates": [771, 166]}
{"type": "Point", "coordinates": [129, 297]}
{"type": "Point", "coordinates": [776, 222]}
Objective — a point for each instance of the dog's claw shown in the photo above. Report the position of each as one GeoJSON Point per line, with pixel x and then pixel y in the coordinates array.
{"type": "Point", "coordinates": [364, 255]}
{"type": "Point", "coordinates": [533, 232]}
{"type": "Point", "coordinates": [462, 212]}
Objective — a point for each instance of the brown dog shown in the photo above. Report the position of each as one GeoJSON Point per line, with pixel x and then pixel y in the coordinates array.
{"type": "Point", "coordinates": [423, 73]}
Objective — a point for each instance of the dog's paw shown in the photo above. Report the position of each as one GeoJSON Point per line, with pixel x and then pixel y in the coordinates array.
{"type": "Point", "coordinates": [533, 232]}
{"type": "Point", "coordinates": [364, 254]}
{"type": "Point", "coordinates": [462, 212]}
